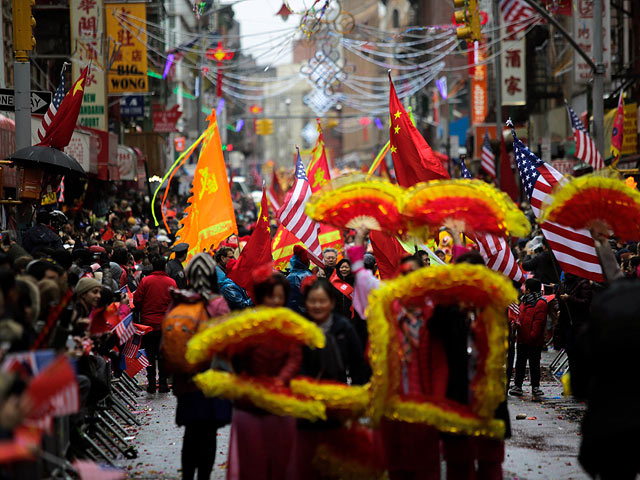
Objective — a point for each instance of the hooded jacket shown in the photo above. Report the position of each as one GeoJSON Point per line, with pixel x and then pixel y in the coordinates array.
{"type": "Point", "coordinates": [299, 271]}
{"type": "Point", "coordinates": [236, 297]}
{"type": "Point", "coordinates": [531, 323]}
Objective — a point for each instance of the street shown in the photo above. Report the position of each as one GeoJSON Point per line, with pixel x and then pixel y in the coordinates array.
{"type": "Point", "coordinates": [543, 446]}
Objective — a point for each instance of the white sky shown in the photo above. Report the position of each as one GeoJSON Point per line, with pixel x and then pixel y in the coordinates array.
{"type": "Point", "coordinates": [259, 16]}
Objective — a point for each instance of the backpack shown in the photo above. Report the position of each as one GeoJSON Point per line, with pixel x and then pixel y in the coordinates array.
{"type": "Point", "coordinates": [179, 325]}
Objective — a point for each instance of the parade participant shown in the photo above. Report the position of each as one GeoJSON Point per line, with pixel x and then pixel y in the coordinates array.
{"type": "Point", "coordinates": [530, 337]}
{"type": "Point", "coordinates": [174, 266]}
{"type": "Point", "coordinates": [261, 443]}
{"type": "Point", "coordinates": [201, 416]}
{"type": "Point", "coordinates": [299, 271]}
{"type": "Point", "coordinates": [341, 360]}
{"type": "Point", "coordinates": [152, 300]}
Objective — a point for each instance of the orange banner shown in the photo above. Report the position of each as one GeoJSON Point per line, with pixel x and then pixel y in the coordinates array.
{"type": "Point", "coordinates": [210, 217]}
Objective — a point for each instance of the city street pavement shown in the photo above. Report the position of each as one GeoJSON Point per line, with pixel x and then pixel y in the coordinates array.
{"type": "Point", "coordinates": [543, 446]}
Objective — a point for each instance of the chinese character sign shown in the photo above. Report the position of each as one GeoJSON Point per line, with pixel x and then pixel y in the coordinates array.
{"type": "Point", "coordinates": [583, 35]}
{"type": "Point", "coordinates": [513, 81]}
{"type": "Point", "coordinates": [126, 24]}
{"type": "Point", "coordinates": [87, 34]}
{"type": "Point", "coordinates": [479, 98]}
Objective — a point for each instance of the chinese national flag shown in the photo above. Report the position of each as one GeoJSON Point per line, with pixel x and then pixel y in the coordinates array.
{"type": "Point", "coordinates": [282, 247]}
{"type": "Point", "coordinates": [318, 174]}
{"type": "Point", "coordinates": [388, 253]}
{"type": "Point", "coordinates": [256, 252]}
{"type": "Point", "coordinates": [507, 178]}
{"type": "Point", "coordinates": [61, 128]}
{"type": "Point", "coordinates": [413, 159]}
{"type": "Point", "coordinates": [210, 216]}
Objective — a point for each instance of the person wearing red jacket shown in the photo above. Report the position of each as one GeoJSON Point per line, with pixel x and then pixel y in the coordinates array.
{"type": "Point", "coordinates": [152, 299]}
{"type": "Point", "coordinates": [530, 337]}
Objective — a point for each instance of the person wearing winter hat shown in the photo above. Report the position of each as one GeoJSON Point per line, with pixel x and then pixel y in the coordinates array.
{"type": "Point", "coordinates": [87, 293]}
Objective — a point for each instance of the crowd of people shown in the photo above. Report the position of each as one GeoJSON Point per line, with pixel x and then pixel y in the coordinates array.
{"type": "Point", "coordinates": [59, 278]}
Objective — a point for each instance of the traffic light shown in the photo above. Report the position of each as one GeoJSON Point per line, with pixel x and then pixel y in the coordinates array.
{"type": "Point", "coordinates": [264, 126]}
{"type": "Point", "coordinates": [23, 25]}
{"type": "Point", "coordinates": [470, 17]}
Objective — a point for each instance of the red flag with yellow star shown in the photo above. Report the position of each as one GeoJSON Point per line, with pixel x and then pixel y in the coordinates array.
{"type": "Point", "coordinates": [256, 252]}
{"type": "Point", "coordinates": [210, 216]}
{"type": "Point", "coordinates": [61, 128]}
{"type": "Point", "coordinates": [318, 175]}
{"type": "Point", "coordinates": [413, 159]}
{"type": "Point", "coordinates": [282, 247]}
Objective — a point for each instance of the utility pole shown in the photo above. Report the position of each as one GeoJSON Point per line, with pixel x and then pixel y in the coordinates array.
{"type": "Point", "coordinates": [23, 42]}
{"type": "Point", "coordinates": [498, 73]}
{"type": "Point", "coordinates": [598, 78]}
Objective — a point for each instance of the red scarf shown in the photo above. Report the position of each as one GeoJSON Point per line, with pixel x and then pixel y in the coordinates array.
{"type": "Point", "coordinates": [343, 287]}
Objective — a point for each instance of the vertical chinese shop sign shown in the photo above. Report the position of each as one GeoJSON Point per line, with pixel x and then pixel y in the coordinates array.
{"type": "Point", "coordinates": [513, 60]}
{"type": "Point", "coordinates": [126, 24]}
{"type": "Point", "coordinates": [87, 35]}
{"type": "Point", "coordinates": [479, 97]}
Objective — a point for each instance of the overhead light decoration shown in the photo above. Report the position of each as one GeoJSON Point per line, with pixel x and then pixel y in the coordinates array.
{"type": "Point", "coordinates": [167, 66]}
{"type": "Point", "coordinates": [255, 109]}
{"type": "Point", "coordinates": [284, 12]}
{"type": "Point", "coordinates": [239, 125]}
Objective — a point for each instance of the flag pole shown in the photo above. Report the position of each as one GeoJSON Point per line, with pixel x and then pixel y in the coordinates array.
{"type": "Point", "coordinates": [498, 81]}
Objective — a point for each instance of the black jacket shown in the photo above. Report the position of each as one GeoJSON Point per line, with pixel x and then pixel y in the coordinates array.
{"type": "Point", "coordinates": [341, 356]}
{"type": "Point", "coordinates": [176, 271]}
{"type": "Point", "coordinates": [40, 236]}
{"type": "Point", "coordinates": [606, 364]}
{"type": "Point", "coordinates": [543, 266]}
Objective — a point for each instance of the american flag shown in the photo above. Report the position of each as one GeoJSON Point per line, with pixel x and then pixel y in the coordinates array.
{"type": "Point", "coordinates": [293, 218]}
{"type": "Point", "coordinates": [28, 364]}
{"type": "Point", "coordinates": [53, 107]}
{"type": "Point", "coordinates": [574, 249]}
{"type": "Point", "coordinates": [125, 329]}
{"type": "Point", "coordinates": [134, 365]}
{"type": "Point", "coordinates": [488, 161]}
{"type": "Point", "coordinates": [586, 150]}
{"type": "Point", "coordinates": [494, 249]}
{"type": "Point", "coordinates": [132, 346]}
{"type": "Point", "coordinates": [516, 11]}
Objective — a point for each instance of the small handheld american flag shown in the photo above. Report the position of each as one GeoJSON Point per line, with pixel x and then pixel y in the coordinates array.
{"type": "Point", "coordinates": [125, 329]}
{"type": "Point", "coordinates": [488, 161]}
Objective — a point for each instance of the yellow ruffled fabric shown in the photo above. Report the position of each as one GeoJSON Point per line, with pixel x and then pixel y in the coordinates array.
{"type": "Point", "coordinates": [508, 216]}
{"type": "Point", "coordinates": [354, 398]}
{"type": "Point", "coordinates": [237, 327]}
{"type": "Point", "coordinates": [215, 383]}
{"type": "Point", "coordinates": [332, 466]}
{"type": "Point", "coordinates": [347, 191]}
{"type": "Point", "coordinates": [568, 191]}
{"type": "Point", "coordinates": [498, 293]}
{"type": "Point", "coordinates": [443, 420]}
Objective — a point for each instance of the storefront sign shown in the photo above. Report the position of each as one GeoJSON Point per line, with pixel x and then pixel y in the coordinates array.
{"type": "Point", "coordinates": [514, 80]}
{"type": "Point", "coordinates": [132, 106]}
{"type": "Point", "coordinates": [179, 144]}
{"type": "Point", "coordinates": [87, 37]}
{"type": "Point", "coordinates": [630, 138]}
{"type": "Point", "coordinates": [165, 121]}
{"type": "Point", "coordinates": [126, 24]}
{"type": "Point", "coordinates": [583, 34]}
{"type": "Point", "coordinates": [126, 159]}
{"type": "Point", "coordinates": [564, 166]}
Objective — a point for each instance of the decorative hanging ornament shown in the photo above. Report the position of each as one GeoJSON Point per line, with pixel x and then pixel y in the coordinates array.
{"type": "Point", "coordinates": [255, 109]}
{"type": "Point", "coordinates": [284, 12]}
{"type": "Point", "coordinates": [220, 55]}
{"type": "Point", "coordinates": [205, 70]}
